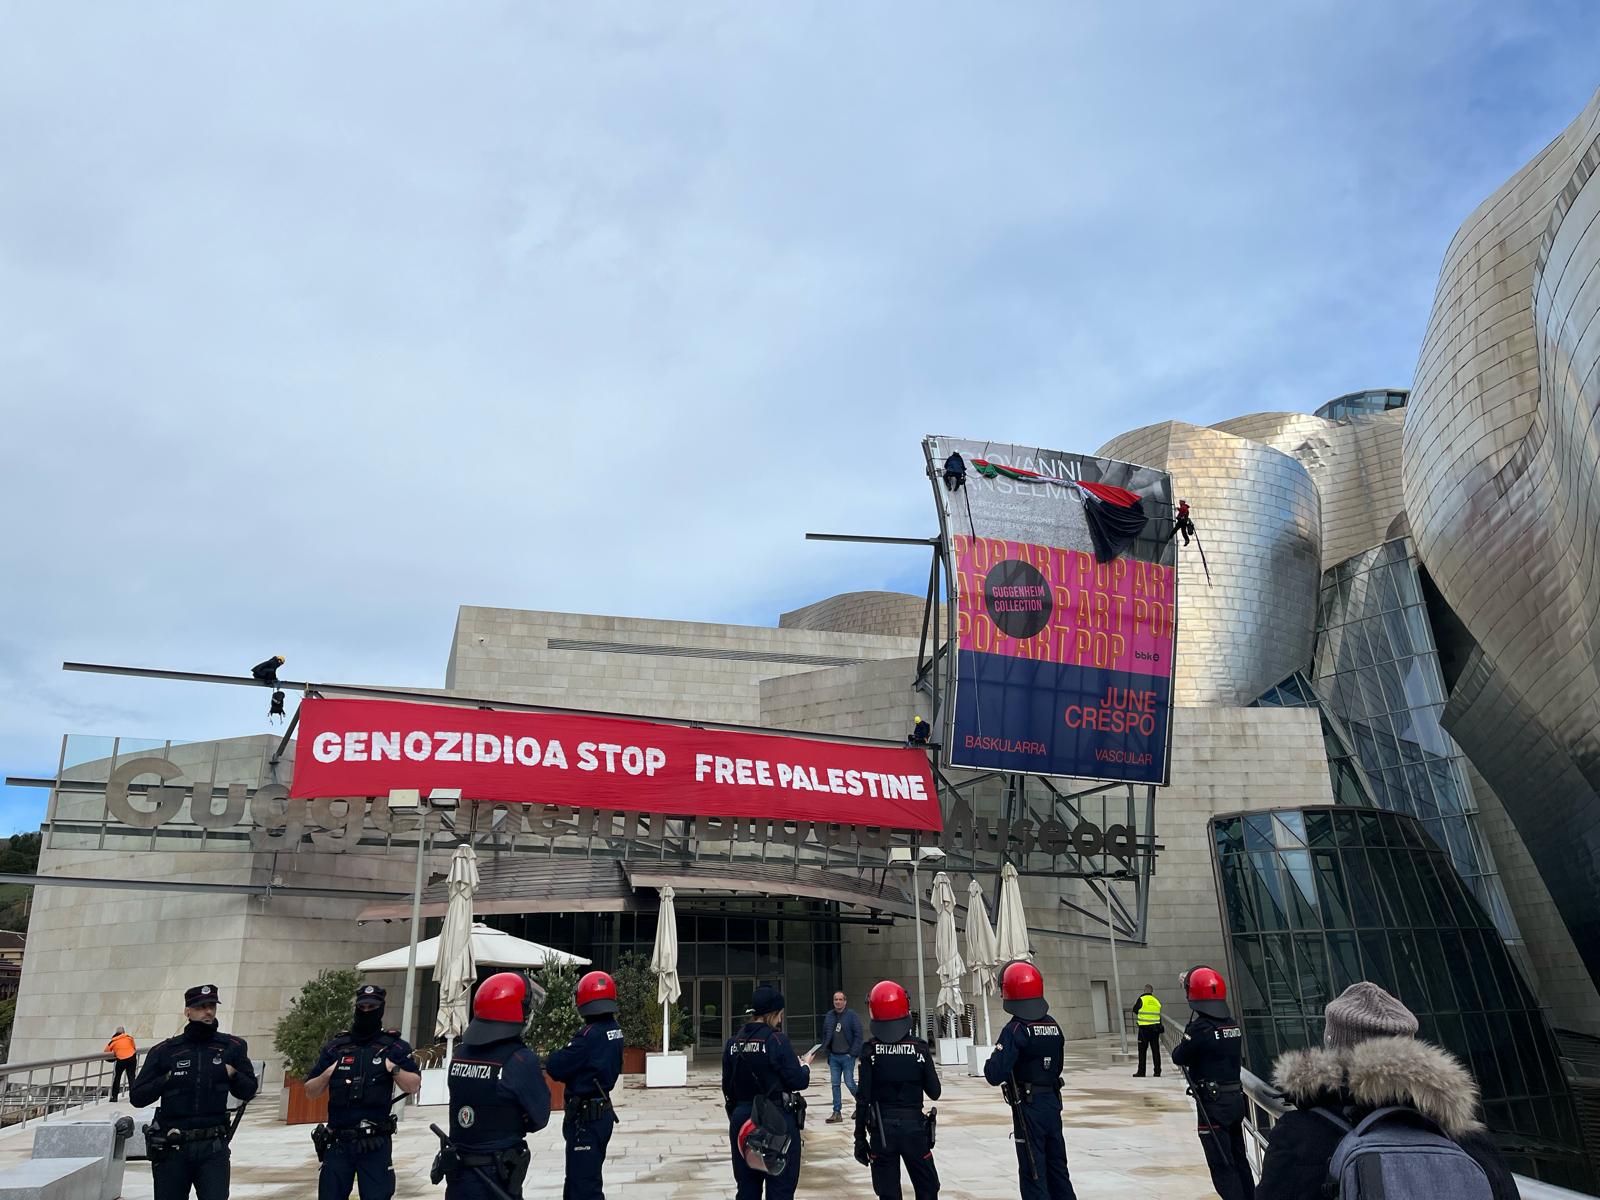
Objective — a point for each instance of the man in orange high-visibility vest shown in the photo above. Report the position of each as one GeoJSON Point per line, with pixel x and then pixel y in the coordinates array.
{"type": "Point", "coordinates": [127, 1055]}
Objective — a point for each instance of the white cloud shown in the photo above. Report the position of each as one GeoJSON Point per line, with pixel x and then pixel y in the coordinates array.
{"type": "Point", "coordinates": [316, 323]}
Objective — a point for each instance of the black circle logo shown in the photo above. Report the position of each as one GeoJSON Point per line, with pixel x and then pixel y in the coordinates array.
{"type": "Point", "coordinates": [1018, 598]}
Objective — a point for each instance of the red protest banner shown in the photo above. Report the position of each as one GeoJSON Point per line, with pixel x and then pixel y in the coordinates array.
{"type": "Point", "coordinates": [371, 747]}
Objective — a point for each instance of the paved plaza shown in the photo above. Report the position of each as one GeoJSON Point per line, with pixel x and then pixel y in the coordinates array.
{"type": "Point", "coordinates": [1127, 1139]}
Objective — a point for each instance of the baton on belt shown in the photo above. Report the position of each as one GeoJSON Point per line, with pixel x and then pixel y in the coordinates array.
{"type": "Point", "coordinates": [494, 1187]}
{"type": "Point", "coordinates": [1200, 1106]}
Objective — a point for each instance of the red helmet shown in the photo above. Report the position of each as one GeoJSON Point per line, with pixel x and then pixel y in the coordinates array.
{"type": "Point", "coordinates": [888, 1001]}
{"type": "Point", "coordinates": [502, 997]}
{"type": "Point", "coordinates": [1206, 991]}
{"type": "Point", "coordinates": [763, 1150]}
{"type": "Point", "coordinates": [1022, 991]}
{"type": "Point", "coordinates": [597, 994]}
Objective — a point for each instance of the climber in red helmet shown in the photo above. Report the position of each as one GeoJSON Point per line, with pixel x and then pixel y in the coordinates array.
{"type": "Point", "coordinates": [896, 1072]}
{"type": "Point", "coordinates": [1210, 1056]}
{"type": "Point", "coordinates": [1026, 1065]}
{"type": "Point", "coordinates": [497, 1096]}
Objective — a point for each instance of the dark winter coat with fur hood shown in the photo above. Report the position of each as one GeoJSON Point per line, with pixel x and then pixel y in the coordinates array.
{"type": "Point", "coordinates": [1353, 1082]}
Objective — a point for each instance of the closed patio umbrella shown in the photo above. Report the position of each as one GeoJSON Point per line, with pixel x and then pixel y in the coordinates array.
{"type": "Point", "coordinates": [456, 967]}
{"type": "Point", "coordinates": [664, 961]}
{"type": "Point", "coordinates": [1011, 938]}
{"type": "Point", "coordinates": [947, 948]}
{"type": "Point", "coordinates": [982, 957]}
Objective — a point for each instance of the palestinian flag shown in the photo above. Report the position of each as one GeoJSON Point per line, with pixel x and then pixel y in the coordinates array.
{"type": "Point", "coordinates": [1115, 517]}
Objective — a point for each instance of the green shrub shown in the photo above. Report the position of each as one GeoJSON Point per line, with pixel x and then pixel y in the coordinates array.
{"type": "Point", "coordinates": [322, 1009]}
{"type": "Point", "coordinates": [554, 1022]}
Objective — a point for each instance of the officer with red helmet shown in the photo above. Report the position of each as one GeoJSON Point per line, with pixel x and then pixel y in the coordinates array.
{"type": "Point", "coordinates": [589, 1065]}
{"type": "Point", "coordinates": [762, 1083]}
{"type": "Point", "coordinates": [1210, 1055]}
{"type": "Point", "coordinates": [497, 1095]}
{"type": "Point", "coordinates": [897, 1070]}
{"type": "Point", "coordinates": [1026, 1065]}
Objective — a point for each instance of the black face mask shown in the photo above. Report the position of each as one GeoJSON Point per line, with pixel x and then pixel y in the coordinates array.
{"type": "Point", "coordinates": [367, 1022]}
{"type": "Point", "coordinates": [199, 1031]}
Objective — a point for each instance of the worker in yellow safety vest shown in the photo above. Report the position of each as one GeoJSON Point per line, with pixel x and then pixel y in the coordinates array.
{"type": "Point", "coordinates": [1147, 1012]}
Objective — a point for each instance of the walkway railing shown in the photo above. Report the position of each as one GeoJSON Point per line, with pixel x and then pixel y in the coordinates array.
{"type": "Point", "coordinates": [32, 1091]}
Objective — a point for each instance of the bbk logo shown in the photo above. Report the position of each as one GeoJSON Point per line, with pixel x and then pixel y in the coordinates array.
{"type": "Point", "coordinates": [465, 1116]}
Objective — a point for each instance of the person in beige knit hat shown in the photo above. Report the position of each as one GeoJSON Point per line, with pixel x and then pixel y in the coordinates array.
{"type": "Point", "coordinates": [1370, 1059]}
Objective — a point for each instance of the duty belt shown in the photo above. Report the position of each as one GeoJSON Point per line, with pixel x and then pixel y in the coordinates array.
{"type": "Point", "coordinates": [366, 1129]}
{"type": "Point", "coordinates": [589, 1108]}
{"type": "Point", "coordinates": [178, 1137]}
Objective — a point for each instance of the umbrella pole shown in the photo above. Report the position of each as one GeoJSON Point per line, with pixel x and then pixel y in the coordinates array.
{"type": "Point", "coordinates": [666, 1026]}
{"type": "Point", "coordinates": [416, 920]}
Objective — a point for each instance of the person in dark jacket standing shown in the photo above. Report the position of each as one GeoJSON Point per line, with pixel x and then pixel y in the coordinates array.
{"type": "Point", "coordinates": [359, 1069]}
{"type": "Point", "coordinates": [1370, 1059]}
{"type": "Point", "coordinates": [192, 1075]}
{"type": "Point", "coordinates": [1210, 1055]}
{"type": "Point", "coordinates": [1026, 1063]}
{"type": "Point", "coordinates": [759, 1061]}
{"type": "Point", "coordinates": [841, 1038]}
{"type": "Point", "coordinates": [589, 1065]}
{"type": "Point", "coordinates": [497, 1095]}
{"type": "Point", "coordinates": [897, 1070]}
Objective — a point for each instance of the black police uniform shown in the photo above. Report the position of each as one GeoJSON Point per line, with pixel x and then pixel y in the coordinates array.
{"type": "Point", "coordinates": [894, 1078]}
{"type": "Point", "coordinates": [759, 1061]}
{"type": "Point", "coordinates": [589, 1065]}
{"type": "Point", "coordinates": [1028, 1055]}
{"type": "Point", "coordinates": [1210, 1054]}
{"type": "Point", "coordinates": [497, 1097]}
{"type": "Point", "coordinates": [188, 1074]}
{"type": "Point", "coordinates": [361, 1118]}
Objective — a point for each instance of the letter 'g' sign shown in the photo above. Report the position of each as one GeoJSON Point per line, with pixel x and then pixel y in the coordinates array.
{"type": "Point", "coordinates": [372, 747]}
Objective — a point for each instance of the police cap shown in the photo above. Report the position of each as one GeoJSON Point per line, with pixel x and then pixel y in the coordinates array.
{"type": "Point", "coordinates": [370, 993]}
{"type": "Point", "coordinates": [201, 993]}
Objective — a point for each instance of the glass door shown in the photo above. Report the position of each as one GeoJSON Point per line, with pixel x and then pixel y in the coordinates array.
{"type": "Point", "coordinates": [711, 1015]}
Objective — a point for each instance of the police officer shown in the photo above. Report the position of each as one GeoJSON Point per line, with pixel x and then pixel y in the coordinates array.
{"type": "Point", "coordinates": [1026, 1063]}
{"type": "Point", "coordinates": [1209, 1055]}
{"type": "Point", "coordinates": [192, 1075]}
{"type": "Point", "coordinates": [759, 1061]}
{"type": "Point", "coordinates": [359, 1070]}
{"type": "Point", "coordinates": [589, 1066]}
{"type": "Point", "coordinates": [1147, 1013]}
{"type": "Point", "coordinates": [497, 1095]}
{"type": "Point", "coordinates": [896, 1072]}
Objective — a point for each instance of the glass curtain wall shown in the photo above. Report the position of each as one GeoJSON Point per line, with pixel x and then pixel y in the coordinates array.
{"type": "Point", "coordinates": [1316, 899]}
{"type": "Point", "coordinates": [1358, 404]}
{"type": "Point", "coordinates": [1377, 668]}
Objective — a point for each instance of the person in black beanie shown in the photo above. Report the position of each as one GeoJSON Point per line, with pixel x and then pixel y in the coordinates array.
{"type": "Point", "coordinates": [1370, 1059]}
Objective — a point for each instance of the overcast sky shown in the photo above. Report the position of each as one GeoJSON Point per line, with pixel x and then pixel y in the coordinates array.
{"type": "Point", "coordinates": [318, 321]}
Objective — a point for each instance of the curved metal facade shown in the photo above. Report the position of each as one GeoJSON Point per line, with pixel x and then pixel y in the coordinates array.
{"type": "Point", "coordinates": [1315, 899]}
{"type": "Point", "coordinates": [1259, 518]}
{"type": "Point", "coordinates": [1502, 487]}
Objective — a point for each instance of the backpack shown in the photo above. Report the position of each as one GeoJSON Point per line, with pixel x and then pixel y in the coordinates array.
{"type": "Point", "coordinates": [1398, 1153]}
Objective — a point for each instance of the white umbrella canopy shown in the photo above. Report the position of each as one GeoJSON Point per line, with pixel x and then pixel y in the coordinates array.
{"type": "Point", "coordinates": [490, 948]}
{"type": "Point", "coordinates": [947, 947]}
{"type": "Point", "coordinates": [1011, 938]}
{"type": "Point", "coordinates": [455, 967]}
{"type": "Point", "coordinates": [664, 961]}
{"type": "Point", "coordinates": [982, 955]}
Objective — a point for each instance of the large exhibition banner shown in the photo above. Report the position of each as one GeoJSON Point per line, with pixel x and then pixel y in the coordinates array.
{"type": "Point", "coordinates": [1066, 592]}
{"type": "Point", "coordinates": [372, 747]}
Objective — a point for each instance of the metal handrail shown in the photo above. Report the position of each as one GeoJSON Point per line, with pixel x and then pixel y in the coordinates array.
{"type": "Point", "coordinates": [24, 1096]}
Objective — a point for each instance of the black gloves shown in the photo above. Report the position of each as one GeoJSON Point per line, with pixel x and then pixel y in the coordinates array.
{"type": "Point", "coordinates": [863, 1155]}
